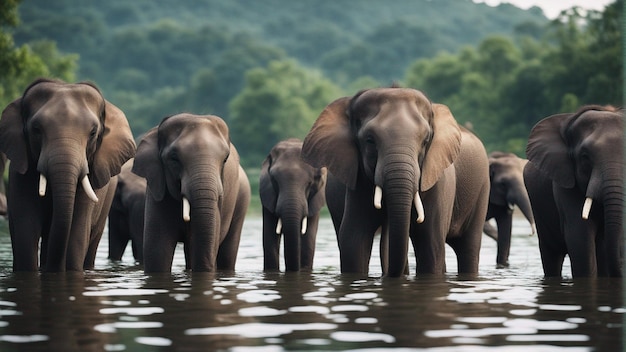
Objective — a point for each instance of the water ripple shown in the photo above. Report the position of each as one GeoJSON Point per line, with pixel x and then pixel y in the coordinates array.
{"type": "Point", "coordinates": [258, 330]}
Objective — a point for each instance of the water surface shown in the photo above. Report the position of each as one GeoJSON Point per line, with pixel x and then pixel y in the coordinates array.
{"type": "Point", "coordinates": [117, 307]}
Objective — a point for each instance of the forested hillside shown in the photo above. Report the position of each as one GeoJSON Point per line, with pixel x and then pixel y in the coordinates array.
{"type": "Point", "coordinates": [269, 67]}
{"type": "Point", "coordinates": [146, 53]}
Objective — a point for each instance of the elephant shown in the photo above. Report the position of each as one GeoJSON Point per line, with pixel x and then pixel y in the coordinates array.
{"type": "Point", "coordinates": [127, 213]}
{"type": "Point", "coordinates": [3, 191]}
{"type": "Point", "coordinates": [433, 172]}
{"type": "Point", "coordinates": [507, 190]}
{"type": "Point", "coordinates": [292, 195]}
{"type": "Point", "coordinates": [197, 193]}
{"type": "Point", "coordinates": [66, 144]}
{"type": "Point", "coordinates": [575, 182]}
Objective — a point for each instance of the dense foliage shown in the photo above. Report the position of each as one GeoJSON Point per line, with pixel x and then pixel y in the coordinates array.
{"type": "Point", "coordinates": [269, 67]}
{"type": "Point", "coordinates": [503, 87]}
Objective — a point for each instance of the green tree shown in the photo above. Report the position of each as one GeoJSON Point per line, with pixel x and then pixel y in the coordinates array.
{"type": "Point", "coordinates": [277, 102]}
{"type": "Point", "coordinates": [20, 65]}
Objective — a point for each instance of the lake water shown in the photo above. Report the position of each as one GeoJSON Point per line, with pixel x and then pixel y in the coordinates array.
{"type": "Point", "coordinates": [119, 308]}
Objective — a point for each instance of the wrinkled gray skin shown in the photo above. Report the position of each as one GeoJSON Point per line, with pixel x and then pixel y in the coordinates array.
{"type": "Point", "coordinates": [396, 139]}
{"type": "Point", "coordinates": [126, 214]}
{"type": "Point", "coordinates": [3, 193]}
{"type": "Point", "coordinates": [291, 191]}
{"type": "Point", "coordinates": [507, 190]}
{"type": "Point", "coordinates": [574, 157]}
{"type": "Point", "coordinates": [191, 157]}
{"type": "Point", "coordinates": [66, 133]}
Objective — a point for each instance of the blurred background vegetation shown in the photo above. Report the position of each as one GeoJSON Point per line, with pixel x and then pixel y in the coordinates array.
{"type": "Point", "coordinates": [269, 67]}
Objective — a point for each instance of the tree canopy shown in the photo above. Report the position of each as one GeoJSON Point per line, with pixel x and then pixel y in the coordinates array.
{"type": "Point", "coordinates": [269, 67]}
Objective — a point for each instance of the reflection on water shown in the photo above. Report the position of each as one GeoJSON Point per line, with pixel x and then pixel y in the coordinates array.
{"type": "Point", "coordinates": [119, 308]}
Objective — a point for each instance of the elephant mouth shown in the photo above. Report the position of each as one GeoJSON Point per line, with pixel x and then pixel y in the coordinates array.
{"type": "Point", "coordinates": [303, 228]}
{"type": "Point", "coordinates": [417, 201]}
{"type": "Point", "coordinates": [43, 184]}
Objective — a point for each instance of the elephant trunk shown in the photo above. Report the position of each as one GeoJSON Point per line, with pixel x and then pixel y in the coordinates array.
{"type": "Point", "coordinates": [203, 196]}
{"type": "Point", "coordinates": [613, 192]}
{"type": "Point", "coordinates": [63, 182]}
{"type": "Point", "coordinates": [520, 197]}
{"type": "Point", "coordinates": [293, 216]}
{"type": "Point", "coordinates": [400, 188]}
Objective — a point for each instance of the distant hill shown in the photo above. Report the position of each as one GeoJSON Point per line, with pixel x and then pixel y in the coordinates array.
{"type": "Point", "coordinates": [158, 57]}
{"type": "Point", "coordinates": [347, 39]}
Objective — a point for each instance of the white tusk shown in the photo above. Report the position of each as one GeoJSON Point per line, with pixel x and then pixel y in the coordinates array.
{"type": "Point", "coordinates": [587, 207]}
{"type": "Point", "coordinates": [279, 227]}
{"type": "Point", "coordinates": [533, 229]}
{"type": "Point", "coordinates": [186, 210]}
{"type": "Point", "coordinates": [419, 207]}
{"type": "Point", "coordinates": [304, 226]}
{"type": "Point", "coordinates": [378, 197]}
{"type": "Point", "coordinates": [511, 206]}
{"type": "Point", "coordinates": [43, 182]}
{"type": "Point", "coordinates": [87, 187]}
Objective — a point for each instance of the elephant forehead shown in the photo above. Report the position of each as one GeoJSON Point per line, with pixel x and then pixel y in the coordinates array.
{"type": "Point", "coordinates": [65, 112]}
{"type": "Point", "coordinates": [599, 127]}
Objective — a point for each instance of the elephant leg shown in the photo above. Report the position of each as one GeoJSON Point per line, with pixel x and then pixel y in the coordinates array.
{"type": "Point", "coordinates": [505, 224]}
{"type": "Point", "coordinates": [271, 242]}
{"type": "Point", "coordinates": [136, 237]}
{"type": "Point", "coordinates": [307, 244]}
{"type": "Point", "coordinates": [552, 248]}
{"type": "Point", "coordinates": [579, 233]}
{"type": "Point", "coordinates": [581, 247]}
{"type": "Point", "coordinates": [119, 234]}
{"type": "Point", "coordinates": [429, 237]}
{"type": "Point", "coordinates": [161, 233]}
{"type": "Point", "coordinates": [356, 234]}
{"type": "Point", "coordinates": [100, 213]}
{"type": "Point", "coordinates": [27, 222]}
{"type": "Point", "coordinates": [227, 252]}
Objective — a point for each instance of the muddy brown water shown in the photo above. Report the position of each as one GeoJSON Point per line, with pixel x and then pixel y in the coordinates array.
{"type": "Point", "coordinates": [117, 307]}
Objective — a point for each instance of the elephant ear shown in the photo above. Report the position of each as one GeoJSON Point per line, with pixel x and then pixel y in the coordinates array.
{"type": "Point", "coordinates": [116, 148]}
{"type": "Point", "coordinates": [266, 188]}
{"type": "Point", "coordinates": [444, 147]}
{"type": "Point", "coordinates": [148, 163]}
{"type": "Point", "coordinates": [317, 198]}
{"type": "Point", "coordinates": [330, 143]}
{"type": "Point", "coordinates": [12, 141]}
{"type": "Point", "coordinates": [547, 150]}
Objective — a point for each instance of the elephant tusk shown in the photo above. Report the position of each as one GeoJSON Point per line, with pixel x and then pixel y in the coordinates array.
{"type": "Point", "coordinates": [87, 187]}
{"type": "Point", "coordinates": [511, 206]}
{"type": "Point", "coordinates": [533, 229]}
{"type": "Point", "coordinates": [378, 197]}
{"type": "Point", "coordinates": [186, 210]}
{"type": "Point", "coordinates": [419, 207]}
{"type": "Point", "coordinates": [587, 207]}
{"type": "Point", "coordinates": [43, 182]}
{"type": "Point", "coordinates": [304, 226]}
{"type": "Point", "coordinates": [279, 227]}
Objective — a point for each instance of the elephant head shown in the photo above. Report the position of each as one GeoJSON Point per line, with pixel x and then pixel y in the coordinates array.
{"type": "Point", "coordinates": [292, 191]}
{"type": "Point", "coordinates": [507, 184]}
{"type": "Point", "coordinates": [393, 142]}
{"type": "Point", "coordinates": [582, 153]}
{"type": "Point", "coordinates": [64, 135]}
{"type": "Point", "coordinates": [190, 165]}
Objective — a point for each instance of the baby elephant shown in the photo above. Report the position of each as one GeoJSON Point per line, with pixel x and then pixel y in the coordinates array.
{"type": "Point", "coordinates": [292, 194]}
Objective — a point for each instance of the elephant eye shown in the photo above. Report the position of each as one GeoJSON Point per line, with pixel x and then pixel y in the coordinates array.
{"type": "Point", "coordinates": [370, 140]}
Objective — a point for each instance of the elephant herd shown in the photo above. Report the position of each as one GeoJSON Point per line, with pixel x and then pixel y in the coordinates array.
{"type": "Point", "coordinates": [385, 161]}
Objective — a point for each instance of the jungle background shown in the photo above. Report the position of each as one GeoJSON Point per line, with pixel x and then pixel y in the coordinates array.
{"type": "Point", "coordinates": [269, 67]}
